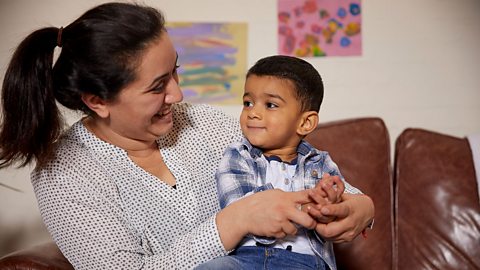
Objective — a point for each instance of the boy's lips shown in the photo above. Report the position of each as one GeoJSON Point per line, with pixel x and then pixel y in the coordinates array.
{"type": "Point", "coordinates": [255, 127]}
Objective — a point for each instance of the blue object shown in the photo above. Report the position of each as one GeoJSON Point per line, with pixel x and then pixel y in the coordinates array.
{"type": "Point", "coordinates": [345, 42]}
{"type": "Point", "coordinates": [354, 9]}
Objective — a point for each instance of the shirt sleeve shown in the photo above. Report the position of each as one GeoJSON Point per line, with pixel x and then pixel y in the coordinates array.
{"type": "Point", "coordinates": [93, 232]}
{"type": "Point", "coordinates": [330, 167]}
{"type": "Point", "coordinates": [235, 176]}
{"type": "Point", "coordinates": [236, 179]}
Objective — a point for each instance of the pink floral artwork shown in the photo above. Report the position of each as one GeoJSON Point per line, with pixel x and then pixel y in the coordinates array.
{"type": "Point", "coordinates": [311, 28]}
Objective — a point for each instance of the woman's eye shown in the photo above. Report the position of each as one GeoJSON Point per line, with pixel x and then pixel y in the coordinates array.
{"type": "Point", "coordinates": [159, 88]}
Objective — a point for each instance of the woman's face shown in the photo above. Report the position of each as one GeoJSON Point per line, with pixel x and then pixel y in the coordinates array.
{"type": "Point", "coordinates": [142, 110]}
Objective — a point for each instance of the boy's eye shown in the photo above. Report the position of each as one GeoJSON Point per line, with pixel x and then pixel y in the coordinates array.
{"type": "Point", "coordinates": [272, 105]}
{"type": "Point", "coordinates": [247, 104]}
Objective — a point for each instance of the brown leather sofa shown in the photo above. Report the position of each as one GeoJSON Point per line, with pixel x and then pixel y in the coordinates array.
{"type": "Point", "coordinates": [427, 213]}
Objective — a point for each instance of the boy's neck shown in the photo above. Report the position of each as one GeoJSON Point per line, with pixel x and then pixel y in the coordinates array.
{"type": "Point", "coordinates": [286, 154]}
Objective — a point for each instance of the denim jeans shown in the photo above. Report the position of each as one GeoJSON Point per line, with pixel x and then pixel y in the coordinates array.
{"type": "Point", "coordinates": [264, 258]}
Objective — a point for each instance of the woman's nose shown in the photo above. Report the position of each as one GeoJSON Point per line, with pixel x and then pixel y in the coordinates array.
{"type": "Point", "coordinates": [174, 93]}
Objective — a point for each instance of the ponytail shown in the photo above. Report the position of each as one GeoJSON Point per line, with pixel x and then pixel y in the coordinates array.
{"type": "Point", "coordinates": [31, 122]}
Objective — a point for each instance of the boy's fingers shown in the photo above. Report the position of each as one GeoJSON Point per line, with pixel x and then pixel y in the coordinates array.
{"type": "Point", "coordinates": [317, 197]}
{"type": "Point", "coordinates": [331, 192]}
{"type": "Point", "coordinates": [333, 186]}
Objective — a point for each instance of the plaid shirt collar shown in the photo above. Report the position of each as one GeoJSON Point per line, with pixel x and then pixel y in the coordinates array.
{"type": "Point", "coordinates": [304, 149]}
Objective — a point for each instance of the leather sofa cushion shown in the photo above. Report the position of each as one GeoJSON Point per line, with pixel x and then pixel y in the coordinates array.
{"type": "Point", "coordinates": [438, 212]}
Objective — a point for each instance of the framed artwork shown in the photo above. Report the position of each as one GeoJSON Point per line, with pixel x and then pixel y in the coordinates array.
{"type": "Point", "coordinates": [313, 28]}
{"type": "Point", "coordinates": [212, 59]}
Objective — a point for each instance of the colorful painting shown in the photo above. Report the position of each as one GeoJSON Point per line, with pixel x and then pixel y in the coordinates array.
{"type": "Point", "coordinates": [212, 59]}
{"type": "Point", "coordinates": [310, 28]}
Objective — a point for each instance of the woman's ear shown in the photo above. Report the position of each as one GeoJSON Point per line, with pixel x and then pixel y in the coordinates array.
{"type": "Point", "coordinates": [308, 123]}
{"type": "Point", "coordinates": [96, 104]}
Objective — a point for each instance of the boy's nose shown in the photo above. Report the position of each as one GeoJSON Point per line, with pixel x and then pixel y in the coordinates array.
{"type": "Point", "coordinates": [254, 113]}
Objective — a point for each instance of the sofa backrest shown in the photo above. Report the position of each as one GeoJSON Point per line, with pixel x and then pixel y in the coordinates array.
{"type": "Point", "coordinates": [437, 208]}
{"type": "Point", "coordinates": [361, 149]}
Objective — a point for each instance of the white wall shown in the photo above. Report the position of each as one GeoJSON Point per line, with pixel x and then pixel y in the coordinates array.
{"type": "Point", "coordinates": [420, 68]}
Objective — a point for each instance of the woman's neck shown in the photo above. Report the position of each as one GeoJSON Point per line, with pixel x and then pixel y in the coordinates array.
{"type": "Point", "coordinates": [145, 154]}
{"type": "Point", "coordinates": [133, 147]}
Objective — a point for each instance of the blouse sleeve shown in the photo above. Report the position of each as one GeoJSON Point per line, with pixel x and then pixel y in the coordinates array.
{"type": "Point", "coordinates": [93, 232]}
{"type": "Point", "coordinates": [331, 167]}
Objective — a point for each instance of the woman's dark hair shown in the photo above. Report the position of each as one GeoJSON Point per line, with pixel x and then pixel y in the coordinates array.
{"type": "Point", "coordinates": [305, 78]}
{"type": "Point", "coordinates": [100, 53]}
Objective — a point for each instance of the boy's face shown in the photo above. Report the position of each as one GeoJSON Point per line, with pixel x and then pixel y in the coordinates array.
{"type": "Point", "coordinates": [271, 114]}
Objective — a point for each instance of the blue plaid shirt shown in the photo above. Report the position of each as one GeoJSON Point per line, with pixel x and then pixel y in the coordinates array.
{"type": "Point", "coordinates": [243, 167]}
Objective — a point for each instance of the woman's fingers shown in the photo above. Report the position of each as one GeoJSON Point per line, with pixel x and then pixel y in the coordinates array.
{"type": "Point", "coordinates": [296, 214]}
{"type": "Point", "coordinates": [352, 215]}
{"type": "Point", "coordinates": [289, 228]}
{"type": "Point", "coordinates": [339, 210]}
{"type": "Point", "coordinates": [275, 213]}
{"type": "Point", "coordinates": [337, 231]}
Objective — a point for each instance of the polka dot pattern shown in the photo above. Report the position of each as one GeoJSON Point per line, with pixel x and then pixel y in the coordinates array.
{"type": "Point", "coordinates": [105, 212]}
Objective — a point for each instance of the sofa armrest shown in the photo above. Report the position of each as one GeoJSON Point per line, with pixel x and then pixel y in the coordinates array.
{"type": "Point", "coordinates": [41, 257]}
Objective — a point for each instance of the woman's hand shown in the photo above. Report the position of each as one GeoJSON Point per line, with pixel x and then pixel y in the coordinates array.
{"type": "Point", "coordinates": [271, 213]}
{"type": "Point", "coordinates": [352, 216]}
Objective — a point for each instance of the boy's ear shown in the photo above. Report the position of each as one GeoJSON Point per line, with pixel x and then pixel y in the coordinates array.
{"type": "Point", "coordinates": [96, 104]}
{"type": "Point", "coordinates": [308, 123]}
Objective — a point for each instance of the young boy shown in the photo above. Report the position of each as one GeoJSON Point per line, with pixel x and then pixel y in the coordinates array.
{"type": "Point", "coordinates": [280, 107]}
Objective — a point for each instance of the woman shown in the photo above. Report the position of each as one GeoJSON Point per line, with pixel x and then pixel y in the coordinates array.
{"type": "Point", "coordinates": [131, 185]}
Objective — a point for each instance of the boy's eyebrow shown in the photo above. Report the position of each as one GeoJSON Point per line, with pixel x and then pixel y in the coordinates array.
{"type": "Point", "coordinates": [268, 95]}
{"type": "Point", "coordinates": [155, 81]}
{"type": "Point", "coordinates": [275, 96]}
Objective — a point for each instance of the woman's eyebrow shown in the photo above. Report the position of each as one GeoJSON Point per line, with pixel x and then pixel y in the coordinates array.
{"type": "Point", "coordinates": [159, 78]}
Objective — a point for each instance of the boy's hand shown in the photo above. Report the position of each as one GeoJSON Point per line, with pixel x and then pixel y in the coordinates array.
{"type": "Point", "coordinates": [332, 186]}
{"type": "Point", "coordinates": [327, 191]}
